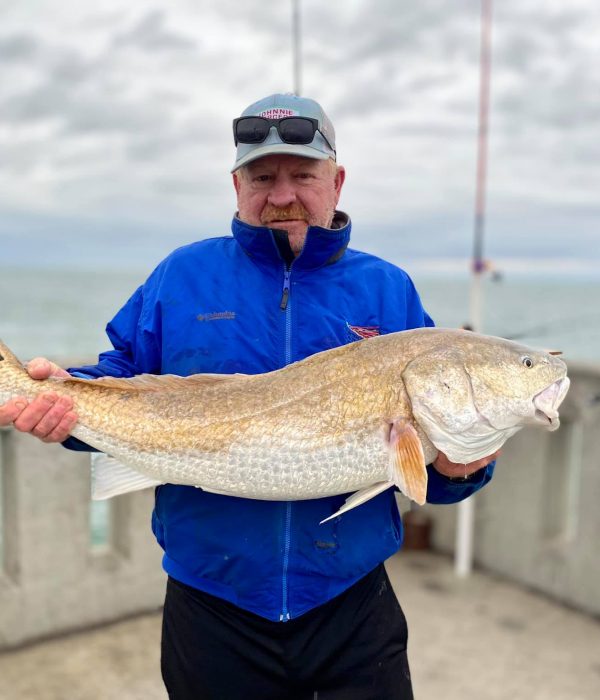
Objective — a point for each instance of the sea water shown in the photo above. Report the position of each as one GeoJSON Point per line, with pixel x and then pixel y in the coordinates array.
{"type": "Point", "coordinates": [62, 313]}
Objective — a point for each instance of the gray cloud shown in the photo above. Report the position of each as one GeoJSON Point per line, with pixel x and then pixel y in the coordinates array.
{"type": "Point", "coordinates": [191, 135]}
{"type": "Point", "coordinates": [256, 16]}
{"type": "Point", "coordinates": [70, 69]}
{"type": "Point", "coordinates": [150, 33]}
{"type": "Point", "coordinates": [17, 47]}
{"type": "Point", "coordinates": [78, 112]}
{"type": "Point", "coordinates": [402, 29]}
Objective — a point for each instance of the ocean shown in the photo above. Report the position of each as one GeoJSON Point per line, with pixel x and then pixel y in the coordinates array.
{"type": "Point", "coordinates": [62, 313]}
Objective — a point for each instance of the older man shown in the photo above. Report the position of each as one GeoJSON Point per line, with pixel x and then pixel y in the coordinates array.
{"type": "Point", "coordinates": [262, 601]}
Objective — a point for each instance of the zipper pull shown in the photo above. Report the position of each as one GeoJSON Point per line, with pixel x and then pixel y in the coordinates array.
{"type": "Point", "coordinates": [286, 291]}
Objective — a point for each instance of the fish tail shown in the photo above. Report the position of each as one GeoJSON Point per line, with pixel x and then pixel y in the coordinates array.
{"type": "Point", "coordinates": [13, 376]}
{"type": "Point", "coordinates": [6, 355]}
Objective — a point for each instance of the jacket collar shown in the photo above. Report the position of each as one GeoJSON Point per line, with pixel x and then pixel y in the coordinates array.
{"type": "Point", "coordinates": [322, 245]}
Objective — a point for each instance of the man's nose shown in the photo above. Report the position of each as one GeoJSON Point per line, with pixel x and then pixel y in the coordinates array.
{"type": "Point", "coordinates": [282, 192]}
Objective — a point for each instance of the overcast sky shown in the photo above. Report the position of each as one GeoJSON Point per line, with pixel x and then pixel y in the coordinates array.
{"type": "Point", "coordinates": [115, 122]}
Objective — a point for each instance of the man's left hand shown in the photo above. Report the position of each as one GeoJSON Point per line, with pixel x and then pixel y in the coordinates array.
{"type": "Point", "coordinates": [456, 471]}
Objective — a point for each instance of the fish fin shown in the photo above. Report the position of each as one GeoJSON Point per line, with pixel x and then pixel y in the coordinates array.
{"type": "Point", "coordinates": [155, 382]}
{"type": "Point", "coordinates": [112, 478]}
{"type": "Point", "coordinates": [407, 461]}
{"type": "Point", "coordinates": [360, 497]}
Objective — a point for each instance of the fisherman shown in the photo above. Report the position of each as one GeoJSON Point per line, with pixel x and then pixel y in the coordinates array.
{"type": "Point", "coordinates": [262, 601]}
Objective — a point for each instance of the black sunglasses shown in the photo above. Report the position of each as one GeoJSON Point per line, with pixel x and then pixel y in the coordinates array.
{"type": "Point", "coordinates": [294, 130]}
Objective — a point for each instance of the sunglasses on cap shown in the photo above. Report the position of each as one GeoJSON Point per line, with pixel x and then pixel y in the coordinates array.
{"type": "Point", "coordinates": [292, 130]}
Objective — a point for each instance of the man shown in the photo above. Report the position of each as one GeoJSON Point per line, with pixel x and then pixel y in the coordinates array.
{"type": "Point", "coordinates": [262, 601]}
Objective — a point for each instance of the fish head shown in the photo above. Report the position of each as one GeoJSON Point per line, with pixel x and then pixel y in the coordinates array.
{"type": "Point", "coordinates": [470, 392]}
{"type": "Point", "coordinates": [514, 385]}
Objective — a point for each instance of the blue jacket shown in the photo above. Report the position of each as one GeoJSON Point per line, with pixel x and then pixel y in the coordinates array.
{"type": "Point", "coordinates": [232, 305]}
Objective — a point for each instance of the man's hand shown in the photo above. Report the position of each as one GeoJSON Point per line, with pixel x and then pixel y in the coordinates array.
{"type": "Point", "coordinates": [456, 471]}
{"type": "Point", "coordinates": [48, 417]}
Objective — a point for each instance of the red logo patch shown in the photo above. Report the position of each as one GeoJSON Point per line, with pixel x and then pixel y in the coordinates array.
{"type": "Point", "coordinates": [364, 331]}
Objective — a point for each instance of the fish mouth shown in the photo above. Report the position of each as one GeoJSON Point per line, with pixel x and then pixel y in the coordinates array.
{"type": "Point", "coordinates": [546, 403]}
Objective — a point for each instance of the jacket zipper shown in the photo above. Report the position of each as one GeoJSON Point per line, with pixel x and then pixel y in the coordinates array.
{"type": "Point", "coordinates": [285, 615]}
{"type": "Point", "coordinates": [285, 295]}
{"type": "Point", "coordinates": [285, 305]}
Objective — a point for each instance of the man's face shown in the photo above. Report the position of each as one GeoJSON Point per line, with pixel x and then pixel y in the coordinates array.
{"type": "Point", "coordinates": [290, 193]}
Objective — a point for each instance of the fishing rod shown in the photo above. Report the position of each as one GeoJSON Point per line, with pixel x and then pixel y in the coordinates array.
{"type": "Point", "coordinates": [296, 47]}
{"type": "Point", "coordinates": [465, 524]}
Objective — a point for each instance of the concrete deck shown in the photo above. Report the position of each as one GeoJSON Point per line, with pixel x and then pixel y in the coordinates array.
{"type": "Point", "coordinates": [483, 638]}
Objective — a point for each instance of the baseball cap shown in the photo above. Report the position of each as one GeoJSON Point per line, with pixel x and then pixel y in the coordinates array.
{"type": "Point", "coordinates": [283, 105]}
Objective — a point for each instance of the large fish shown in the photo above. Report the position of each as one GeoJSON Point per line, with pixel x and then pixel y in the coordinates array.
{"type": "Point", "coordinates": [358, 418]}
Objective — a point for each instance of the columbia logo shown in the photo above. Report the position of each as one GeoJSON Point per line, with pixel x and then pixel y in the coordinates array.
{"type": "Point", "coordinates": [217, 316]}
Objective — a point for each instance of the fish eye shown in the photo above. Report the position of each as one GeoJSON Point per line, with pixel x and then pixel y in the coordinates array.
{"type": "Point", "coordinates": [527, 361]}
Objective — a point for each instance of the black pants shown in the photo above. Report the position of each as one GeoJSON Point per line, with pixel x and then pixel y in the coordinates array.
{"type": "Point", "coordinates": [351, 648]}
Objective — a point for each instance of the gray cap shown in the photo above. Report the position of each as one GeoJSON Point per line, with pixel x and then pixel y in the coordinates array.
{"type": "Point", "coordinates": [287, 105]}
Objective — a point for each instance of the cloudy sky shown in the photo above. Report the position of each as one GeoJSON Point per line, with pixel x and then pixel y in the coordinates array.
{"type": "Point", "coordinates": [115, 123]}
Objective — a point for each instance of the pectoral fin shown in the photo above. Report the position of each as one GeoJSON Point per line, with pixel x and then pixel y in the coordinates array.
{"type": "Point", "coordinates": [407, 461]}
{"type": "Point", "coordinates": [407, 469]}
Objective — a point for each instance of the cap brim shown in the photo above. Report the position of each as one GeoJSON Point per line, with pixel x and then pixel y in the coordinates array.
{"type": "Point", "coordinates": [306, 151]}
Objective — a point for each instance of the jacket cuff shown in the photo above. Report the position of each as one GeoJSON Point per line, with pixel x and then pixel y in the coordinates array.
{"type": "Point", "coordinates": [443, 489]}
{"type": "Point", "coordinates": [72, 443]}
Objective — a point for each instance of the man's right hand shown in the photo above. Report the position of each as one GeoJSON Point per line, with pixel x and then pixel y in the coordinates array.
{"type": "Point", "coordinates": [49, 417]}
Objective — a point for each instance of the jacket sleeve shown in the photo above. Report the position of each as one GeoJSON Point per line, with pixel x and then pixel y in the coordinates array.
{"type": "Point", "coordinates": [135, 335]}
{"type": "Point", "coordinates": [416, 316]}
{"type": "Point", "coordinates": [442, 490]}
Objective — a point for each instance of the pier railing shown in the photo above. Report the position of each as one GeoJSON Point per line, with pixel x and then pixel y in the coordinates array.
{"type": "Point", "coordinates": [54, 577]}
{"type": "Point", "coordinates": [537, 524]}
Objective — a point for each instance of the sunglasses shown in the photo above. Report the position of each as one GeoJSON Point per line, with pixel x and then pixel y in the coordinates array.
{"type": "Point", "coordinates": [294, 130]}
